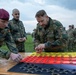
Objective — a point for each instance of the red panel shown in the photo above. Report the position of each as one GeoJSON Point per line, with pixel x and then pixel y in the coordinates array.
{"type": "Point", "coordinates": [50, 60]}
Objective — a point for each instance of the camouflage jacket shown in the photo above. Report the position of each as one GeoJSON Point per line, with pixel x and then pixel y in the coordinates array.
{"type": "Point", "coordinates": [70, 33]}
{"type": "Point", "coordinates": [74, 35]}
{"type": "Point", "coordinates": [17, 29]}
{"type": "Point", "coordinates": [5, 36]}
{"type": "Point", "coordinates": [51, 36]}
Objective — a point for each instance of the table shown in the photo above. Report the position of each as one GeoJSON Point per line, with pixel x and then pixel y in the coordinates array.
{"type": "Point", "coordinates": [10, 64]}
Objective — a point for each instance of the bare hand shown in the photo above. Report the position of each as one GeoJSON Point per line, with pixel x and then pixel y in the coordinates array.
{"type": "Point", "coordinates": [15, 57]}
{"type": "Point", "coordinates": [24, 39]}
{"type": "Point", "coordinates": [40, 48]}
{"type": "Point", "coordinates": [21, 39]}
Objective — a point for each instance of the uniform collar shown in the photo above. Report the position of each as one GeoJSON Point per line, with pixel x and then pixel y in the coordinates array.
{"type": "Point", "coordinates": [49, 22]}
{"type": "Point", "coordinates": [15, 20]}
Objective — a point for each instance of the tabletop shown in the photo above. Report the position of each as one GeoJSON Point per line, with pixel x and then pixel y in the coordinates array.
{"type": "Point", "coordinates": [9, 64]}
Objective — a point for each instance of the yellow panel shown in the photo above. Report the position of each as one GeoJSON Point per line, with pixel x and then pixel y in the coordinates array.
{"type": "Point", "coordinates": [54, 54]}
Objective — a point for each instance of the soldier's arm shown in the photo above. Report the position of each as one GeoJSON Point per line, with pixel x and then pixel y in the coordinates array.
{"type": "Point", "coordinates": [10, 43]}
{"type": "Point", "coordinates": [23, 28]}
{"type": "Point", "coordinates": [4, 54]}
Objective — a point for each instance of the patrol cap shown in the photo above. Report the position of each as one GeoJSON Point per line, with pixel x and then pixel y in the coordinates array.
{"type": "Point", "coordinates": [4, 15]}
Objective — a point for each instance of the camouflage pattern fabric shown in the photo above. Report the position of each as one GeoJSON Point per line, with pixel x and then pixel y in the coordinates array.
{"type": "Point", "coordinates": [70, 39]}
{"type": "Point", "coordinates": [51, 36]}
{"type": "Point", "coordinates": [5, 36]}
{"type": "Point", "coordinates": [18, 31]}
{"type": "Point", "coordinates": [74, 35]}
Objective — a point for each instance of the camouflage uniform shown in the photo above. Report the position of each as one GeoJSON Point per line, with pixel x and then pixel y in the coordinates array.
{"type": "Point", "coordinates": [18, 31]}
{"type": "Point", "coordinates": [74, 35]}
{"type": "Point", "coordinates": [70, 39]}
{"type": "Point", "coordinates": [6, 37]}
{"type": "Point", "coordinates": [51, 36]}
{"type": "Point", "coordinates": [65, 37]}
{"type": "Point", "coordinates": [62, 31]}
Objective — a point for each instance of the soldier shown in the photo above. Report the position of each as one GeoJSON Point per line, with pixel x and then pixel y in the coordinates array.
{"type": "Point", "coordinates": [70, 38]}
{"type": "Point", "coordinates": [74, 35]}
{"type": "Point", "coordinates": [72, 26]}
{"type": "Point", "coordinates": [5, 36]}
{"type": "Point", "coordinates": [17, 30]}
{"type": "Point", "coordinates": [48, 38]}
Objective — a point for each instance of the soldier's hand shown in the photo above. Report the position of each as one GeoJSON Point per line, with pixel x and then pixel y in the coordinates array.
{"type": "Point", "coordinates": [15, 57]}
{"type": "Point", "coordinates": [20, 40]}
{"type": "Point", "coordinates": [40, 48]}
{"type": "Point", "coordinates": [24, 39]}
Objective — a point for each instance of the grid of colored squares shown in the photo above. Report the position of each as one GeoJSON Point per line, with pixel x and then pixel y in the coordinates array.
{"type": "Point", "coordinates": [44, 69]}
{"type": "Point", "coordinates": [51, 58]}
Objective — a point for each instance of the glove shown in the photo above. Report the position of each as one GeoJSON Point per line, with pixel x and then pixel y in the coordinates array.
{"type": "Point", "coordinates": [15, 57]}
